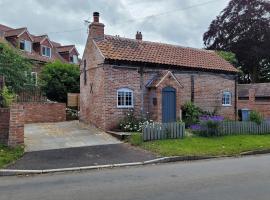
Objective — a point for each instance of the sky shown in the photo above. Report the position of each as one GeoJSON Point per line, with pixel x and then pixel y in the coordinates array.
{"type": "Point", "coordinates": [181, 22]}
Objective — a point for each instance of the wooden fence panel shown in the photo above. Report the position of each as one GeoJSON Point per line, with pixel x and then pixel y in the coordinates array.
{"type": "Point", "coordinates": [163, 131]}
{"type": "Point", "coordinates": [239, 128]}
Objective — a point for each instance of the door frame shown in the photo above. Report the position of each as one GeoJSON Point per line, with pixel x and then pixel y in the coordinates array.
{"type": "Point", "coordinates": [164, 90]}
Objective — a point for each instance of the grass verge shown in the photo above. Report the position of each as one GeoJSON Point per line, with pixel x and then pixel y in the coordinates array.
{"type": "Point", "coordinates": [9, 155]}
{"type": "Point", "coordinates": [211, 146]}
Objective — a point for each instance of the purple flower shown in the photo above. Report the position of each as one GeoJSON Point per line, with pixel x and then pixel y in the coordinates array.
{"type": "Point", "coordinates": [212, 118]}
{"type": "Point", "coordinates": [196, 127]}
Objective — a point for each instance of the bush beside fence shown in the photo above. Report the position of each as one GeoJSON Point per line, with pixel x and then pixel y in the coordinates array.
{"type": "Point", "coordinates": [239, 128]}
{"type": "Point", "coordinates": [158, 131]}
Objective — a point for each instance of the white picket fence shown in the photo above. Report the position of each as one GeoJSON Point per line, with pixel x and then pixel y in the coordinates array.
{"type": "Point", "coordinates": [161, 131]}
{"type": "Point", "coordinates": [239, 128]}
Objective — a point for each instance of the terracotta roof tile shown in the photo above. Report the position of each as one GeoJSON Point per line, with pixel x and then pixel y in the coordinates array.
{"type": "Point", "coordinates": [124, 49]}
{"type": "Point", "coordinates": [66, 48]}
{"type": "Point", "coordinates": [14, 32]}
{"type": "Point", "coordinates": [4, 28]}
{"type": "Point", "coordinates": [39, 38]}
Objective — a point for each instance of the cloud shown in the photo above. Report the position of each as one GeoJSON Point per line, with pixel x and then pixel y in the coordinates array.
{"type": "Point", "coordinates": [63, 20]}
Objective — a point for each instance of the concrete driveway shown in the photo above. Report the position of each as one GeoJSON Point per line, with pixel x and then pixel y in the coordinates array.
{"type": "Point", "coordinates": [47, 136]}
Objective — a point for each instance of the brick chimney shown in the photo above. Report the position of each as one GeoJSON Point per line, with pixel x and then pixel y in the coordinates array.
{"type": "Point", "coordinates": [138, 35]}
{"type": "Point", "coordinates": [96, 29]}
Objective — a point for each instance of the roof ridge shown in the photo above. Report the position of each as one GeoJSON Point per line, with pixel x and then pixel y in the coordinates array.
{"type": "Point", "coordinates": [15, 29]}
{"type": "Point", "coordinates": [70, 45]}
{"type": "Point", "coordinates": [160, 43]}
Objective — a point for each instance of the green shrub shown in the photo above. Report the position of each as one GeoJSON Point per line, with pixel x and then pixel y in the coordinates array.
{"type": "Point", "coordinates": [191, 113]}
{"type": "Point", "coordinates": [7, 97]}
{"type": "Point", "coordinates": [256, 117]}
{"type": "Point", "coordinates": [136, 139]}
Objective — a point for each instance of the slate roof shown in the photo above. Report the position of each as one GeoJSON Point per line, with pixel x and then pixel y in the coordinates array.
{"type": "Point", "coordinates": [124, 49]}
{"type": "Point", "coordinates": [261, 89]}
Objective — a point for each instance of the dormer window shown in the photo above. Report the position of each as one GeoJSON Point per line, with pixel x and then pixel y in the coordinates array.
{"type": "Point", "coordinates": [26, 45]}
{"type": "Point", "coordinates": [46, 51]}
{"type": "Point", "coordinates": [74, 59]}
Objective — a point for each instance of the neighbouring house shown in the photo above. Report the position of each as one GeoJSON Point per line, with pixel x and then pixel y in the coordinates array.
{"type": "Point", "coordinates": [255, 97]}
{"type": "Point", "coordinates": [39, 48]}
{"type": "Point", "coordinates": [154, 79]}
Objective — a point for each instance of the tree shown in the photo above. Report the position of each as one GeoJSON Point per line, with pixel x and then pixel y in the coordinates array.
{"type": "Point", "coordinates": [243, 28]}
{"type": "Point", "coordinates": [57, 79]}
{"type": "Point", "coordinates": [14, 67]}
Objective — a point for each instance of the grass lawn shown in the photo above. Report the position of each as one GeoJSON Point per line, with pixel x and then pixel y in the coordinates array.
{"type": "Point", "coordinates": [214, 146]}
{"type": "Point", "coordinates": [8, 155]}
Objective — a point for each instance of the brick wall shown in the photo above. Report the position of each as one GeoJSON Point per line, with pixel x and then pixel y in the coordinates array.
{"type": "Point", "coordinates": [16, 125]}
{"type": "Point", "coordinates": [261, 106]}
{"type": "Point", "coordinates": [92, 101]}
{"type": "Point", "coordinates": [4, 125]}
{"type": "Point", "coordinates": [99, 106]}
{"type": "Point", "coordinates": [12, 125]}
{"type": "Point", "coordinates": [44, 112]}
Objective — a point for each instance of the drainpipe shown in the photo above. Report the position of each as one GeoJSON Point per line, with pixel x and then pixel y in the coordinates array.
{"type": "Point", "coordinates": [236, 98]}
{"type": "Point", "coordinates": [142, 90]}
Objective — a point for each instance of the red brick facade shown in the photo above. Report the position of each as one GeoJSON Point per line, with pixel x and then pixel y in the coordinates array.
{"type": "Point", "coordinates": [98, 100]}
{"type": "Point", "coordinates": [12, 125]}
{"type": "Point", "coordinates": [16, 125]}
{"type": "Point", "coordinates": [101, 78]}
{"type": "Point", "coordinates": [261, 106]}
{"type": "Point", "coordinates": [44, 112]}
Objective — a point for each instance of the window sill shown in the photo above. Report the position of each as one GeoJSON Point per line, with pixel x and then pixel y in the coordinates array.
{"type": "Point", "coordinates": [125, 107]}
{"type": "Point", "coordinates": [226, 105]}
{"type": "Point", "coordinates": [46, 56]}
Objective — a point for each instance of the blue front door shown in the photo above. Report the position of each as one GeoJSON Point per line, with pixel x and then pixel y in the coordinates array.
{"type": "Point", "coordinates": [168, 105]}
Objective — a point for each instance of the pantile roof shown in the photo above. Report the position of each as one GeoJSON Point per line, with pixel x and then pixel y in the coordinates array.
{"type": "Point", "coordinates": [124, 49]}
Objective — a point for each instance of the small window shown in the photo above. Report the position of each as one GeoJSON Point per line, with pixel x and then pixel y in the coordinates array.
{"type": "Point", "coordinates": [26, 45]}
{"type": "Point", "coordinates": [124, 98]}
{"type": "Point", "coordinates": [262, 98]}
{"type": "Point", "coordinates": [227, 99]}
{"type": "Point", "coordinates": [34, 78]}
{"type": "Point", "coordinates": [243, 98]}
{"type": "Point", "coordinates": [46, 51]}
{"type": "Point", "coordinates": [75, 59]}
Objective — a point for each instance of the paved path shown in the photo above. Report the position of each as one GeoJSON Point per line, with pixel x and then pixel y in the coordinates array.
{"type": "Point", "coordinates": [229, 179]}
{"type": "Point", "coordinates": [81, 156]}
{"type": "Point", "coordinates": [45, 136]}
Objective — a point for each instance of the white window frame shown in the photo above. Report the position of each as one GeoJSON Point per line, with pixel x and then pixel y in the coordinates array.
{"type": "Point", "coordinates": [27, 43]}
{"type": "Point", "coordinates": [125, 91]}
{"type": "Point", "coordinates": [34, 75]}
{"type": "Point", "coordinates": [75, 59]}
{"type": "Point", "coordinates": [226, 96]}
{"type": "Point", "coordinates": [46, 48]}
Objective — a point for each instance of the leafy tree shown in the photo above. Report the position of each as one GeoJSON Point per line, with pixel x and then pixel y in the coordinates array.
{"type": "Point", "coordinates": [57, 79]}
{"type": "Point", "coordinates": [243, 28]}
{"type": "Point", "coordinates": [229, 56]}
{"type": "Point", "coordinates": [14, 67]}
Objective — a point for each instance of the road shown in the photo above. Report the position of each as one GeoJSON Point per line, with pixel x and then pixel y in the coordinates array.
{"type": "Point", "coordinates": [231, 179]}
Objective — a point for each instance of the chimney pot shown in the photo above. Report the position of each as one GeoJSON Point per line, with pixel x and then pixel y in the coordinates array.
{"type": "Point", "coordinates": [96, 29]}
{"type": "Point", "coordinates": [96, 16]}
{"type": "Point", "coordinates": [139, 35]}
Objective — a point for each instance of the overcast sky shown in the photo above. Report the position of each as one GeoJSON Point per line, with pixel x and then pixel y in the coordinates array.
{"type": "Point", "coordinates": [171, 21]}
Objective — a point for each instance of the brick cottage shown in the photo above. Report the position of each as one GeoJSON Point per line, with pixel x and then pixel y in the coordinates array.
{"type": "Point", "coordinates": [152, 78]}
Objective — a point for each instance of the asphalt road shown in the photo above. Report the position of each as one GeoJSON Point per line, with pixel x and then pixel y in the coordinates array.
{"type": "Point", "coordinates": [231, 179]}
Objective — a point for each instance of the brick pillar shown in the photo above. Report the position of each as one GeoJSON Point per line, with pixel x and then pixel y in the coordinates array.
{"type": "Point", "coordinates": [16, 125]}
{"type": "Point", "coordinates": [251, 95]}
